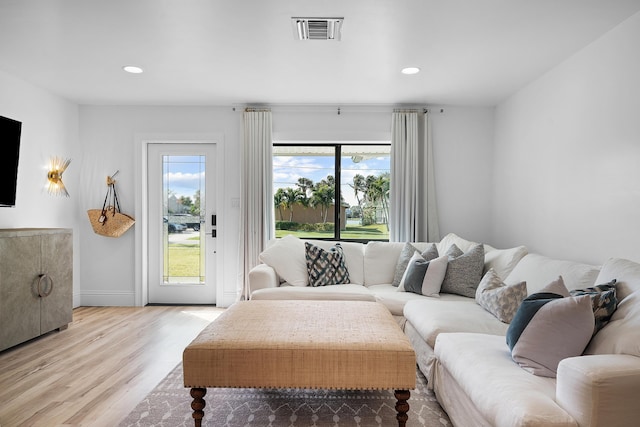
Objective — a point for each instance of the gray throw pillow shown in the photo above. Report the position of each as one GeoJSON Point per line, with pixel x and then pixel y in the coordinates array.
{"type": "Point", "coordinates": [464, 271]}
{"type": "Point", "coordinates": [403, 260]}
{"type": "Point", "coordinates": [548, 328]}
{"type": "Point", "coordinates": [499, 299]}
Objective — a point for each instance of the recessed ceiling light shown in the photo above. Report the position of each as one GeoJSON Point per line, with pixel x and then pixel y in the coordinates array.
{"type": "Point", "coordinates": [411, 70]}
{"type": "Point", "coordinates": [132, 69]}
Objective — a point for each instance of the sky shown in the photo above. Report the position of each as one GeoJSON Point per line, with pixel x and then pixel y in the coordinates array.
{"type": "Point", "coordinates": [185, 174]}
{"type": "Point", "coordinates": [287, 170]}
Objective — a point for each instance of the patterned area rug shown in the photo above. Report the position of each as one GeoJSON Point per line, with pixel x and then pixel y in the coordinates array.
{"type": "Point", "coordinates": [169, 405]}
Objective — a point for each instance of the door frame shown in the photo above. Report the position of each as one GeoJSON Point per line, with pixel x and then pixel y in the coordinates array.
{"type": "Point", "coordinates": [142, 206]}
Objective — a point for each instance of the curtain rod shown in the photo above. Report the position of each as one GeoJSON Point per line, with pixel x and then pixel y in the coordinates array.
{"type": "Point", "coordinates": [339, 109]}
{"type": "Point", "coordinates": [256, 110]}
{"type": "Point", "coordinates": [416, 110]}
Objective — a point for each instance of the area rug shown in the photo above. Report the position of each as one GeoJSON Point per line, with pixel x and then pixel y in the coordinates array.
{"type": "Point", "coordinates": [169, 405]}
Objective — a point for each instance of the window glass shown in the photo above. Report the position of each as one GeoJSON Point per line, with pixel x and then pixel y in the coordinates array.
{"type": "Point", "coordinates": [308, 179]}
{"type": "Point", "coordinates": [364, 185]}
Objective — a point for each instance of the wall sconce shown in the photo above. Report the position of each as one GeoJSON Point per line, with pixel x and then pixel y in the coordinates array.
{"type": "Point", "coordinates": [57, 166]}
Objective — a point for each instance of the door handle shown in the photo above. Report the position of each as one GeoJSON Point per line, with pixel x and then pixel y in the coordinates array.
{"type": "Point", "coordinates": [44, 293]}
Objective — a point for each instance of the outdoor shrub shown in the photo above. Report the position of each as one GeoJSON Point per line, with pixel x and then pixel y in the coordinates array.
{"type": "Point", "coordinates": [287, 225]}
{"type": "Point", "coordinates": [326, 226]}
{"type": "Point", "coordinates": [369, 216]}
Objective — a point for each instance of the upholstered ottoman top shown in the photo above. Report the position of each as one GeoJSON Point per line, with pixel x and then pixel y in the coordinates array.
{"type": "Point", "coordinates": [302, 344]}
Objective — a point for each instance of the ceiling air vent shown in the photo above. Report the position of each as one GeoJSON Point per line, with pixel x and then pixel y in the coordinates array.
{"type": "Point", "coordinates": [317, 28]}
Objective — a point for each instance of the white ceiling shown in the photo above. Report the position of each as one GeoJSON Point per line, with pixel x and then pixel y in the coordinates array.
{"type": "Point", "coordinates": [215, 52]}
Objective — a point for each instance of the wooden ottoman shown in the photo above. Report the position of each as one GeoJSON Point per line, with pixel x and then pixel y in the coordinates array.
{"type": "Point", "coordinates": [354, 345]}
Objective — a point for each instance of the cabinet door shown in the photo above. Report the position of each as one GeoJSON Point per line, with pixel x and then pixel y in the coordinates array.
{"type": "Point", "coordinates": [57, 263]}
{"type": "Point", "coordinates": [19, 301]}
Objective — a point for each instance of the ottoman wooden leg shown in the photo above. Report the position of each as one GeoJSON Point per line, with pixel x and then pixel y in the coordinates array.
{"type": "Point", "coordinates": [402, 406]}
{"type": "Point", "coordinates": [198, 405]}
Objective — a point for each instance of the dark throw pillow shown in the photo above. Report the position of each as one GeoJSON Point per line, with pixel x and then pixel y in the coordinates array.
{"type": "Point", "coordinates": [604, 302]}
{"type": "Point", "coordinates": [326, 267]}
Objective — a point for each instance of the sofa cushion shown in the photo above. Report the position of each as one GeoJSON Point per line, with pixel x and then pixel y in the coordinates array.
{"type": "Point", "coordinates": [603, 300]}
{"type": "Point", "coordinates": [502, 392]}
{"type": "Point", "coordinates": [499, 299]}
{"type": "Point", "coordinates": [464, 271]}
{"type": "Point", "coordinates": [503, 261]}
{"type": "Point", "coordinates": [450, 313]}
{"type": "Point", "coordinates": [538, 271]}
{"type": "Point", "coordinates": [622, 334]}
{"type": "Point", "coordinates": [452, 239]}
{"type": "Point", "coordinates": [346, 292]}
{"type": "Point", "coordinates": [325, 267]}
{"type": "Point", "coordinates": [424, 277]}
{"type": "Point", "coordinates": [548, 328]}
{"type": "Point", "coordinates": [286, 256]}
{"type": "Point", "coordinates": [395, 301]}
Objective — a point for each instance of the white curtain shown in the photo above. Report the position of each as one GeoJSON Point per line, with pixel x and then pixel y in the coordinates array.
{"type": "Point", "coordinates": [413, 216]}
{"type": "Point", "coordinates": [256, 207]}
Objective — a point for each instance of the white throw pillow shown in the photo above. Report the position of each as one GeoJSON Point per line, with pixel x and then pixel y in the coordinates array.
{"type": "Point", "coordinates": [287, 257]}
{"type": "Point", "coordinates": [503, 261]}
{"type": "Point", "coordinates": [424, 277]}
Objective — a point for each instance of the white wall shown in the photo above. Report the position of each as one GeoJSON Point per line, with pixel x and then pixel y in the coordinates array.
{"type": "Point", "coordinates": [463, 155]}
{"type": "Point", "coordinates": [108, 135]}
{"type": "Point", "coordinates": [462, 140]}
{"type": "Point", "coordinates": [567, 155]}
{"type": "Point", "coordinates": [463, 144]}
{"type": "Point", "coordinates": [49, 128]}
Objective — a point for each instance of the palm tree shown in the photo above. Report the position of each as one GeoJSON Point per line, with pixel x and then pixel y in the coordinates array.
{"type": "Point", "coordinates": [378, 192]}
{"type": "Point", "coordinates": [305, 186]}
{"type": "Point", "coordinates": [278, 201]}
{"type": "Point", "coordinates": [359, 186]}
{"type": "Point", "coordinates": [291, 197]}
{"type": "Point", "coordinates": [323, 196]}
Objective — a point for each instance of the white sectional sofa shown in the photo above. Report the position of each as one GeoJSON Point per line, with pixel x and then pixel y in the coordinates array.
{"type": "Point", "coordinates": [371, 270]}
{"type": "Point", "coordinates": [461, 347]}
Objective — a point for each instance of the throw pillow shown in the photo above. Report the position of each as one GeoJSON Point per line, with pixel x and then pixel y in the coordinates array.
{"type": "Point", "coordinates": [464, 271]}
{"type": "Point", "coordinates": [424, 277]}
{"type": "Point", "coordinates": [548, 328]}
{"type": "Point", "coordinates": [556, 287]}
{"type": "Point", "coordinates": [403, 260]}
{"type": "Point", "coordinates": [286, 256]}
{"type": "Point", "coordinates": [325, 267]}
{"type": "Point", "coordinates": [499, 299]}
{"type": "Point", "coordinates": [604, 302]}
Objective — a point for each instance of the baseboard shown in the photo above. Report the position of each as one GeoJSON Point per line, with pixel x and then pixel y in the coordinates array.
{"type": "Point", "coordinates": [107, 298]}
{"type": "Point", "coordinates": [228, 298]}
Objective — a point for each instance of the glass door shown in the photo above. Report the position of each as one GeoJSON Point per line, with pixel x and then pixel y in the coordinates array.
{"type": "Point", "coordinates": [182, 243]}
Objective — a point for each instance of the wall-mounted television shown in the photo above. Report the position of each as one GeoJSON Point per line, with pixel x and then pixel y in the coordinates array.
{"type": "Point", "coordinates": [10, 131]}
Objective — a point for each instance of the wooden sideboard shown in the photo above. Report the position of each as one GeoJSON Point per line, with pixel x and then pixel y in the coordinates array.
{"type": "Point", "coordinates": [36, 283]}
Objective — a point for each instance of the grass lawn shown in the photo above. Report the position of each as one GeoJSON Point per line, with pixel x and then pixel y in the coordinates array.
{"type": "Point", "coordinates": [184, 260]}
{"type": "Point", "coordinates": [366, 232]}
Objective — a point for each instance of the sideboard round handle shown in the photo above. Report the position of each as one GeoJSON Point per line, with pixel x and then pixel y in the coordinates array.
{"type": "Point", "coordinates": [45, 293]}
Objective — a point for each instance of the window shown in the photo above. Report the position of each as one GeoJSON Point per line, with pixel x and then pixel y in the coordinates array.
{"type": "Point", "coordinates": [308, 179]}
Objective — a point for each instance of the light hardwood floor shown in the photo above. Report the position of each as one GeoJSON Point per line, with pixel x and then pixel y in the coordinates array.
{"type": "Point", "coordinates": [95, 372]}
